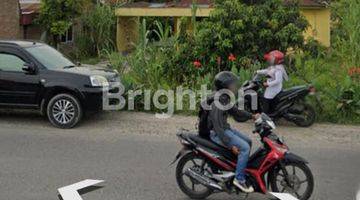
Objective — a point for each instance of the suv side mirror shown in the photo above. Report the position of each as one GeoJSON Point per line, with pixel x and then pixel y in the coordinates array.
{"type": "Point", "coordinates": [29, 67]}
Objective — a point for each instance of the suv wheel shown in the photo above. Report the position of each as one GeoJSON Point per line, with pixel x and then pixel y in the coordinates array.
{"type": "Point", "coordinates": [64, 111]}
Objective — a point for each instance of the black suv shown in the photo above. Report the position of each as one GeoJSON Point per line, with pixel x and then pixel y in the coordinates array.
{"type": "Point", "coordinates": [35, 75]}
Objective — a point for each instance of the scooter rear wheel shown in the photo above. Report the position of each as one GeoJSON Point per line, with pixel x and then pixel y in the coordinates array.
{"type": "Point", "coordinates": [309, 116]}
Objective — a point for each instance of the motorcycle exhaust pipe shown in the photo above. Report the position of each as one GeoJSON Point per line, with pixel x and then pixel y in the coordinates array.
{"type": "Point", "coordinates": [203, 180]}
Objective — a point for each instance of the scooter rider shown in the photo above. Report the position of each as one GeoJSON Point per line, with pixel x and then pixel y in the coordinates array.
{"type": "Point", "coordinates": [221, 131]}
{"type": "Point", "coordinates": [277, 74]}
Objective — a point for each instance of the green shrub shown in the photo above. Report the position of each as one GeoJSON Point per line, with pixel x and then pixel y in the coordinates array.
{"type": "Point", "coordinates": [98, 31]}
{"type": "Point", "coordinates": [84, 48]}
{"type": "Point", "coordinates": [337, 98]}
{"type": "Point", "coordinates": [245, 30]}
{"type": "Point", "coordinates": [170, 63]}
{"type": "Point", "coordinates": [249, 30]}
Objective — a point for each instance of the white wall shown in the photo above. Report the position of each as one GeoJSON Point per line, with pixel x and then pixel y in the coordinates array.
{"type": "Point", "coordinates": [29, 1]}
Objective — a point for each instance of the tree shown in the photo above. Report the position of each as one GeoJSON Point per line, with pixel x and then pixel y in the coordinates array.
{"type": "Point", "coordinates": [57, 16]}
{"type": "Point", "coordinates": [248, 29]}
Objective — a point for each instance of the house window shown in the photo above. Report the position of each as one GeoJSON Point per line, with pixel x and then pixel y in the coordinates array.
{"type": "Point", "coordinates": [68, 36]}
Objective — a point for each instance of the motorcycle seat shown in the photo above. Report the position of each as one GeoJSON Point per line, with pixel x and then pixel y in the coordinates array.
{"type": "Point", "coordinates": [211, 145]}
{"type": "Point", "coordinates": [205, 142]}
{"type": "Point", "coordinates": [287, 92]}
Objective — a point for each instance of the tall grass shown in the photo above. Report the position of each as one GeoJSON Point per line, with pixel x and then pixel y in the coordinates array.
{"type": "Point", "coordinates": [347, 39]}
{"type": "Point", "coordinates": [99, 26]}
{"type": "Point", "coordinates": [143, 36]}
{"type": "Point", "coordinates": [163, 32]}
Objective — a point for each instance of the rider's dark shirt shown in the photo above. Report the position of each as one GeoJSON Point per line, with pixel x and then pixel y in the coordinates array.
{"type": "Point", "coordinates": [217, 119]}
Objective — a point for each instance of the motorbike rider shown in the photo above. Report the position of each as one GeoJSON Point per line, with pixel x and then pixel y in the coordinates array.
{"type": "Point", "coordinates": [277, 74]}
{"type": "Point", "coordinates": [221, 131]}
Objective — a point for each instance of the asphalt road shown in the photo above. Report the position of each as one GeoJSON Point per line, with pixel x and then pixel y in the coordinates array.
{"type": "Point", "coordinates": [131, 151]}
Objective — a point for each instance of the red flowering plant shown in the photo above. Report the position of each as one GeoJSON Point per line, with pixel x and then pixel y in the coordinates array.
{"type": "Point", "coordinates": [232, 61]}
{"type": "Point", "coordinates": [354, 73]}
{"type": "Point", "coordinates": [197, 64]}
{"type": "Point", "coordinates": [232, 58]}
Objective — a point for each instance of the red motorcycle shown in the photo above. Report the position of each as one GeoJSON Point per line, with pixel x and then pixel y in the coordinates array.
{"type": "Point", "coordinates": [205, 167]}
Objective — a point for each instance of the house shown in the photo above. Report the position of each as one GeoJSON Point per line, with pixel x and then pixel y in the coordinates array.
{"type": "Point", "coordinates": [29, 11]}
{"type": "Point", "coordinates": [9, 19]}
{"type": "Point", "coordinates": [18, 21]}
{"type": "Point", "coordinates": [315, 11]}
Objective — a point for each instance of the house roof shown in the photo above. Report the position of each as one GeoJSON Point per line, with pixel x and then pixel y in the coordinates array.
{"type": "Point", "coordinates": [315, 3]}
{"type": "Point", "coordinates": [207, 3]}
{"type": "Point", "coordinates": [312, 3]}
{"type": "Point", "coordinates": [29, 10]}
{"type": "Point", "coordinates": [29, 7]}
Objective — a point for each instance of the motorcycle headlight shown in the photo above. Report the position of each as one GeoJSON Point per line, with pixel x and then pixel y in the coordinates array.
{"type": "Point", "coordinates": [99, 81]}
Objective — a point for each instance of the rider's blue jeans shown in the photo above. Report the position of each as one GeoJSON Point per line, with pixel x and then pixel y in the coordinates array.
{"type": "Point", "coordinates": [243, 143]}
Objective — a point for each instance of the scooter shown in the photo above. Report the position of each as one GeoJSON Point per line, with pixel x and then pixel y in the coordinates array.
{"type": "Point", "coordinates": [205, 167]}
{"type": "Point", "coordinates": [289, 104]}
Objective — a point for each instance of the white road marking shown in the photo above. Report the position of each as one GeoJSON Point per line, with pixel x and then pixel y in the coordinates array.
{"type": "Point", "coordinates": [70, 192]}
{"type": "Point", "coordinates": [283, 196]}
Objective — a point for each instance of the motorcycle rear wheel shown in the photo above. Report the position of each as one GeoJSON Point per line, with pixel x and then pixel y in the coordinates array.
{"type": "Point", "coordinates": [309, 116]}
{"type": "Point", "coordinates": [195, 161]}
{"type": "Point", "coordinates": [278, 183]}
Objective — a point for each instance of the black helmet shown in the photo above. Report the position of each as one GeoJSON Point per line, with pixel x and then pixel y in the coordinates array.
{"type": "Point", "coordinates": [224, 79]}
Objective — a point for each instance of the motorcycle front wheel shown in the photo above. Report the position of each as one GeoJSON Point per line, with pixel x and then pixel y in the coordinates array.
{"type": "Point", "coordinates": [298, 182]}
{"type": "Point", "coordinates": [189, 186]}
